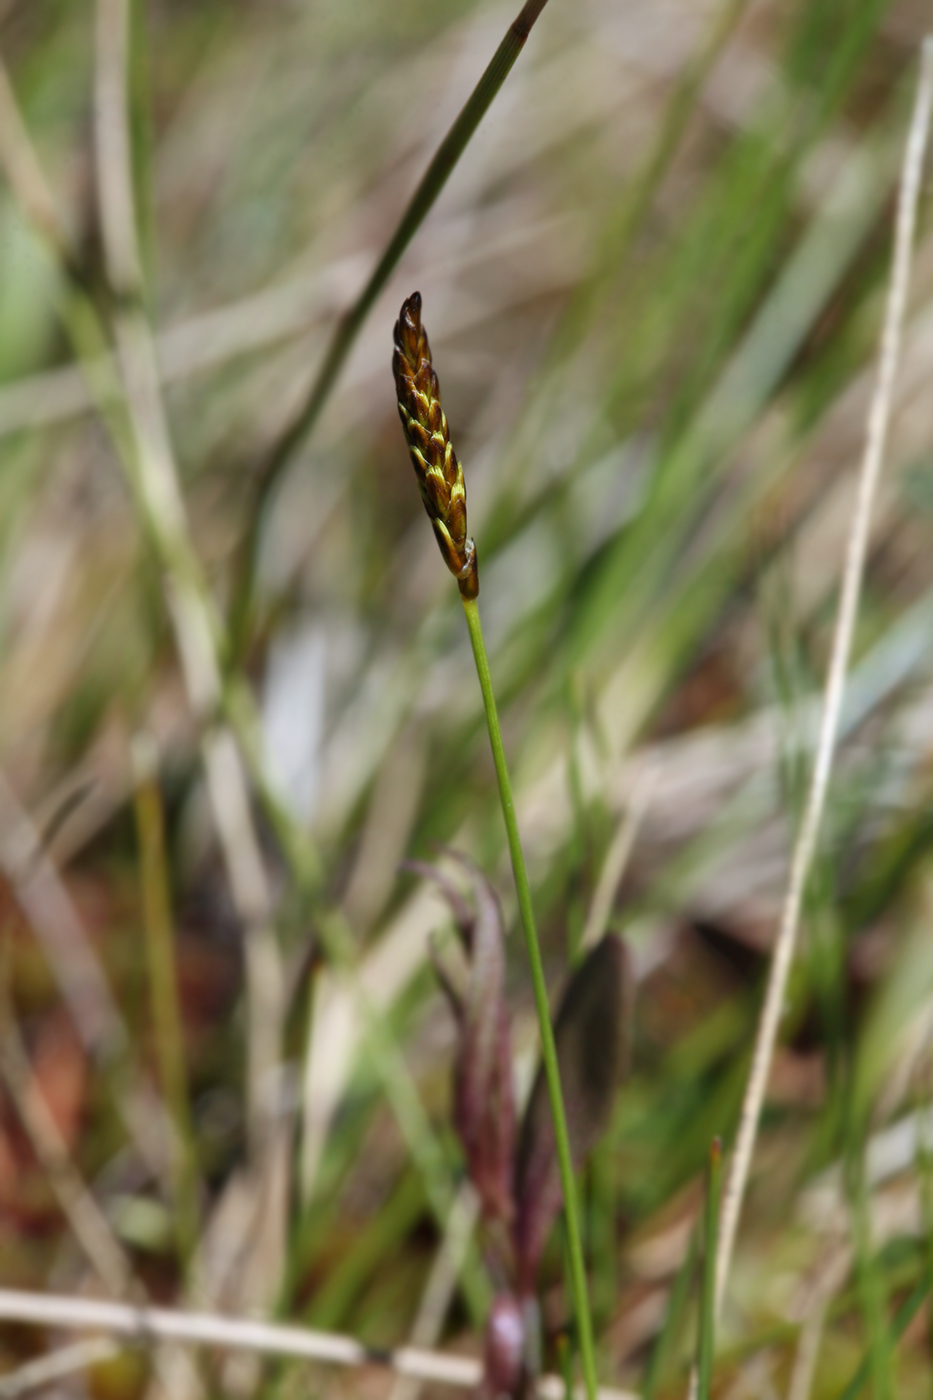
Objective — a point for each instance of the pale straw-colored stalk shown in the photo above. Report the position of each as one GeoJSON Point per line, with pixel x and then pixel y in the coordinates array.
{"type": "Point", "coordinates": [147, 1325]}
{"type": "Point", "coordinates": [805, 846]}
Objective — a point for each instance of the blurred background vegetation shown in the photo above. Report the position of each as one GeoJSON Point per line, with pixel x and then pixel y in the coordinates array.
{"type": "Point", "coordinates": [653, 286]}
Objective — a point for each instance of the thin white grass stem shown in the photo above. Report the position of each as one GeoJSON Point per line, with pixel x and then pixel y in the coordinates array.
{"type": "Point", "coordinates": [879, 418]}
{"type": "Point", "coordinates": [248, 1334]}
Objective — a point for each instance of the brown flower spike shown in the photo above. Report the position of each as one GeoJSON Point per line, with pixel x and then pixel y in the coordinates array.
{"type": "Point", "coordinates": [440, 476]}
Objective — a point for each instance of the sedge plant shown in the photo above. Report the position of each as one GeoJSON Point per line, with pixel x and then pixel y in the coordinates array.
{"type": "Point", "coordinates": [440, 480]}
{"type": "Point", "coordinates": [512, 1162]}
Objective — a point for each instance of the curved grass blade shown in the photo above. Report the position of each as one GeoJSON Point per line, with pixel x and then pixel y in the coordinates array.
{"type": "Point", "coordinates": [282, 451]}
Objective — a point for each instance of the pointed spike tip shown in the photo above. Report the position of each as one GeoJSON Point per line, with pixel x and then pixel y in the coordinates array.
{"type": "Point", "coordinates": [408, 329]}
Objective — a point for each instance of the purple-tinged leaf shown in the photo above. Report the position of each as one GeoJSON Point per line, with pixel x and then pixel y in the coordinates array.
{"type": "Point", "coordinates": [484, 1107]}
{"type": "Point", "coordinates": [458, 905]}
{"type": "Point", "coordinates": [591, 1033]}
{"type": "Point", "coordinates": [504, 1350]}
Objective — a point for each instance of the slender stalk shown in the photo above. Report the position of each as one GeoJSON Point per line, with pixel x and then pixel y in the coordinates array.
{"type": "Point", "coordinates": [707, 1338]}
{"type": "Point", "coordinates": [548, 1048]}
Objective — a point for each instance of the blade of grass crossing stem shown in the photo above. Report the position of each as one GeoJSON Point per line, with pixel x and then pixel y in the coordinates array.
{"type": "Point", "coordinates": [707, 1338]}
{"type": "Point", "coordinates": [419, 206]}
{"type": "Point", "coordinates": [548, 1049]}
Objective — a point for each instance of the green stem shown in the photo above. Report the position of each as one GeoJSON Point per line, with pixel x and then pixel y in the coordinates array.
{"type": "Point", "coordinates": [707, 1343]}
{"type": "Point", "coordinates": [548, 1048]}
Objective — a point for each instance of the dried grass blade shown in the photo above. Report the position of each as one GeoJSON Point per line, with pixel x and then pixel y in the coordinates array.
{"type": "Point", "coordinates": [854, 568]}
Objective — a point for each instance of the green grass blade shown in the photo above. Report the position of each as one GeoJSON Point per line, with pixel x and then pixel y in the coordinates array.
{"type": "Point", "coordinates": [872, 1289]}
{"type": "Point", "coordinates": [707, 1338]}
{"type": "Point", "coordinates": [419, 206]}
{"type": "Point", "coordinates": [902, 1320]}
